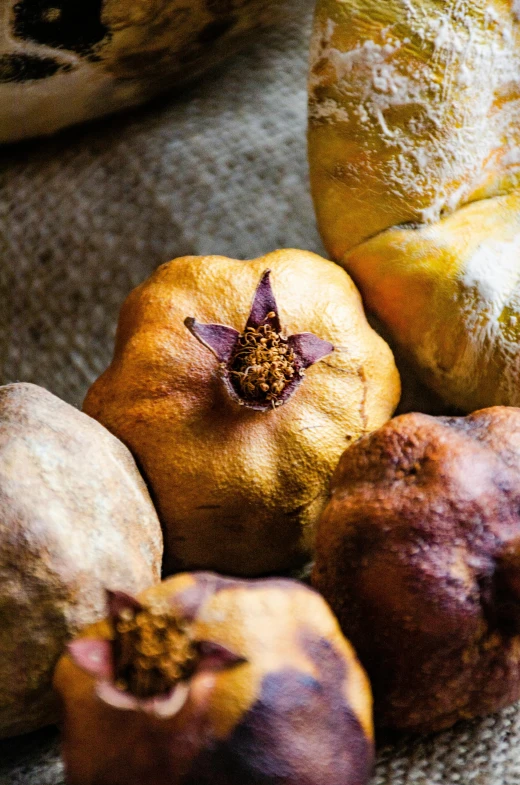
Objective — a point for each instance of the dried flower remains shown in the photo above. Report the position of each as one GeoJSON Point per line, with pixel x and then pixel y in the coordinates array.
{"type": "Point", "coordinates": [261, 368]}
{"type": "Point", "coordinates": [149, 661]}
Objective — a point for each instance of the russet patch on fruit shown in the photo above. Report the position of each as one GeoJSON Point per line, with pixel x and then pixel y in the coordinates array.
{"type": "Point", "coordinates": [418, 553]}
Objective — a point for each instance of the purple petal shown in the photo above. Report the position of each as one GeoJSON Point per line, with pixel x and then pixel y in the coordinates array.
{"type": "Point", "coordinates": [263, 304]}
{"type": "Point", "coordinates": [117, 698]}
{"type": "Point", "coordinates": [119, 601]}
{"type": "Point", "coordinates": [93, 656]}
{"type": "Point", "coordinates": [221, 340]}
{"type": "Point", "coordinates": [309, 348]}
{"type": "Point", "coordinates": [215, 657]}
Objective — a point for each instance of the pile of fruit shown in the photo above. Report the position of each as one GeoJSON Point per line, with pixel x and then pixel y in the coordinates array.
{"type": "Point", "coordinates": [244, 429]}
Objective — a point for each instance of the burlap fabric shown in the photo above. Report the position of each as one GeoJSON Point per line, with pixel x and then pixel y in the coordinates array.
{"type": "Point", "coordinates": [86, 216]}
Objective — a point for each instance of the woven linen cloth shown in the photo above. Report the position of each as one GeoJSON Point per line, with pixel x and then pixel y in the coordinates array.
{"type": "Point", "coordinates": [89, 214]}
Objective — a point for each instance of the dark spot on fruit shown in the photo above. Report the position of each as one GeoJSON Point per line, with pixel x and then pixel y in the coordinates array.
{"type": "Point", "coordinates": [215, 30]}
{"type": "Point", "coordinates": [145, 62]}
{"type": "Point", "coordinates": [26, 68]}
{"type": "Point", "coordinates": [505, 596]}
{"type": "Point", "coordinates": [300, 730]}
{"type": "Point", "coordinates": [74, 25]}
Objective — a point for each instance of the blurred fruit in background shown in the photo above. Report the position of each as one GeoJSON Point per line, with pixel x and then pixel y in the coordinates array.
{"type": "Point", "coordinates": [65, 61]}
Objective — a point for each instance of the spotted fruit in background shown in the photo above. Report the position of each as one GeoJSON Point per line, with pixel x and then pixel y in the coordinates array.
{"type": "Point", "coordinates": [64, 61]}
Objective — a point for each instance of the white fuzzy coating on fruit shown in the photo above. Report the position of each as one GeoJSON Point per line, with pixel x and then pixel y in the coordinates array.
{"type": "Point", "coordinates": [486, 302]}
{"type": "Point", "coordinates": [437, 98]}
{"type": "Point", "coordinates": [489, 300]}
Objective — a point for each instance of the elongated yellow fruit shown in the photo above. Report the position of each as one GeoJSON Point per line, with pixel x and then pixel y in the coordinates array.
{"type": "Point", "coordinates": [413, 142]}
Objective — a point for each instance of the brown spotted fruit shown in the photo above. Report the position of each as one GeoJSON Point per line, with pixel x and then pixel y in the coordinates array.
{"type": "Point", "coordinates": [418, 553]}
{"type": "Point", "coordinates": [204, 680]}
{"type": "Point", "coordinates": [237, 386]}
{"type": "Point", "coordinates": [75, 516]}
{"type": "Point", "coordinates": [63, 62]}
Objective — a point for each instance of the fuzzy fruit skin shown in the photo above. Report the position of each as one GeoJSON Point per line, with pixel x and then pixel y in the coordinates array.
{"type": "Point", "coordinates": [418, 554]}
{"type": "Point", "coordinates": [413, 111]}
{"type": "Point", "coordinates": [450, 297]}
{"type": "Point", "coordinates": [237, 490]}
{"type": "Point", "coordinates": [63, 64]}
{"type": "Point", "coordinates": [75, 516]}
{"type": "Point", "coordinates": [298, 710]}
{"type": "Point", "coordinates": [413, 140]}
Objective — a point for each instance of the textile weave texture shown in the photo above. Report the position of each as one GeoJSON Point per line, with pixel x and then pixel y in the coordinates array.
{"type": "Point", "coordinates": [89, 214]}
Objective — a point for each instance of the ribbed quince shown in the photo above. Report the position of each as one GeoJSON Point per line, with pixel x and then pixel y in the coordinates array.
{"type": "Point", "coordinates": [212, 389]}
{"type": "Point", "coordinates": [414, 151]}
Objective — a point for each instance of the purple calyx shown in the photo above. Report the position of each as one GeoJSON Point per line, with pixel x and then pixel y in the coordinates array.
{"type": "Point", "coordinates": [260, 368]}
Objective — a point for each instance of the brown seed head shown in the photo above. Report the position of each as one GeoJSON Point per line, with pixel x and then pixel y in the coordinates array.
{"type": "Point", "coordinates": [152, 652]}
{"type": "Point", "coordinates": [263, 364]}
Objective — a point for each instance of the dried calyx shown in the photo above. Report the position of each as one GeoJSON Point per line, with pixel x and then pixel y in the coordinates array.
{"type": "Point", "coordinates": [261, 368]}
{"type": "Point", "coordinates": [149, 660]}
